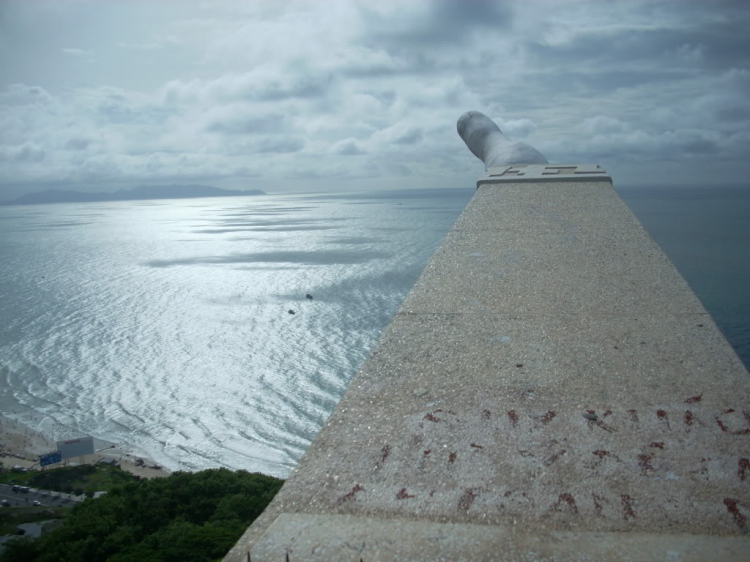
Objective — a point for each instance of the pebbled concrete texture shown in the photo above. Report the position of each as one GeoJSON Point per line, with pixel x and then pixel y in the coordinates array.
{"type": "Point", "coordinates": [547, 249]}
{"type": "Point", "coordinates": [551, 372]}
{"type": "Point", "coordinates": [335, 537]}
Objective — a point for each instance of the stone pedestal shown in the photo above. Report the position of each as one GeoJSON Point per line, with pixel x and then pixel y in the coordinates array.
{"type": "Point", "coordinates": [551, 389]}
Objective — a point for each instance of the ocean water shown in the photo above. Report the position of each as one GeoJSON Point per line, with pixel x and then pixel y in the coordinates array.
{"type": "Point", "coordinates": [706, 234]}
{"type": "Point", "coordinates": [165, 326]}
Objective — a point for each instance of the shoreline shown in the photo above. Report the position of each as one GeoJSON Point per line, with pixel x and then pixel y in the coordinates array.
{"type": "Point", "coordinates": [21, 446]}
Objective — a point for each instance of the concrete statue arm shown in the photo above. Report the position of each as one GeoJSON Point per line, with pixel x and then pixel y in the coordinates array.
{"type": "Point", "coordinates": [488, 143]}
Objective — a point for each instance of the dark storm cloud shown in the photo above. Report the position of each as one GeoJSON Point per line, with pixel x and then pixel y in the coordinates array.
{"type": "Point", "coordinates": [699, 146]}
{"type": "Point", "coordinates": [412, 64]}
{"type": "Point", "coordinates": [726, 44]}
{"type": "Point", "coordinates": [77, 144]}
{"type": "Point", "coordinates": [237, 125]}
{"type": "Point", "coordinates": [262, 85]}
{"type": "Point", "coordinates": [284, 146]}
{"type": "Point", "coordinates": [411, 137]}
{"type": "Point", "coordinates": [580, 80]}
{"type": "Point", "coordinates": [347, 147]}
{"type": "Point", "coordinates": [122, 107]}
{"type": "Point", "coordinates": [714, 45]}
{"type": "Point", "coordinates": [446, 22]}
{"type": "Point", "coordinates": [309, 88]}
{"type": "Point", "coordinates": [27, 152]}
{"type": "Point", "coordinates": [732, 114]}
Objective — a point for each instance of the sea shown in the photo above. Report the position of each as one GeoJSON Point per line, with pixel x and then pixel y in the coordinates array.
{"type": "Point", "coordinates": [223, 331]}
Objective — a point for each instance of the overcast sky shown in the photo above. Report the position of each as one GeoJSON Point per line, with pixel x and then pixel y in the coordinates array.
{"type": "Point", "coordinates": [295, 95]}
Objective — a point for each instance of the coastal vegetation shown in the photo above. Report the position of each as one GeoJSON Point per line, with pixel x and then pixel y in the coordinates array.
{"type": "Point", "coordinates": [11, 518]}
{"type": "Point", "coordinates": [185, 517]}
{"type": "Point", "coordinates": [82, 479]}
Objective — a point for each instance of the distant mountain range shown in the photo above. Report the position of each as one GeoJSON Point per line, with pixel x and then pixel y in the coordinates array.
{"type": "Point", "coordinates": [140, 192]}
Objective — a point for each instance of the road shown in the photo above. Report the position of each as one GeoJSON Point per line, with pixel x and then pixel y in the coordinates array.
{"type": "Point", "coordinates": [21, 499]}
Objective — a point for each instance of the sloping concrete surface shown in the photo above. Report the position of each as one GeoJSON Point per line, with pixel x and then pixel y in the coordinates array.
{"type": "Point", "coordinates": [550, 380]}
{"type": "Point", "coordinates": [341, 537]}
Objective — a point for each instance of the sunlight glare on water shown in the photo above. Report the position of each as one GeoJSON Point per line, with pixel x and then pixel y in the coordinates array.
{"type": "Point", "coordinates": [165, 326]}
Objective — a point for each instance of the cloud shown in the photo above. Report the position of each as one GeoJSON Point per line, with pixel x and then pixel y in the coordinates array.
{"type": "Point", "coordinates": [284, 146]}
{"type": "Point", "coordinates": [243, 125]}
{"type": "Point", "coordinates": [273, 92]}
{"type": "Point", "coordinates": [347, 147]}
{"type": "Point", "coordinates": [402, 133]}
{"type": "Point", "coordinates": [691, 53]}
{"type": "Point", "coordinates": [436, 23]}
{"type": "Point", "coordinates": [27, 152]}
{"type": "Point", "coordinates": [140, 46]}
{"type": "Point", "coordinates": [267, 83]}
{"type": "Point", "coordinates": [78, 144]}
{"type": "Point", "coordinates": [22, 94]}
{"type": "Point", "coordinates": [517, 128]}
{"type": "Point", "coordinates": [603, 124]}
{"type": "Point", "coordinates": [77, 52]}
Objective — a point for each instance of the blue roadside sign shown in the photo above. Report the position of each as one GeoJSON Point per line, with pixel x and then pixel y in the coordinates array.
{"type": "Point", "coordinates": [50, 458]}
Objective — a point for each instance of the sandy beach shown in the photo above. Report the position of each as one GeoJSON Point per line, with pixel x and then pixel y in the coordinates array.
{"type": "Point", "coordinates": [21, 446]}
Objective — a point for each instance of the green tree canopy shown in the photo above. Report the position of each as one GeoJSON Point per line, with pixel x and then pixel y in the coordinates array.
{"type": "Point", "coordinates": [184, 517]}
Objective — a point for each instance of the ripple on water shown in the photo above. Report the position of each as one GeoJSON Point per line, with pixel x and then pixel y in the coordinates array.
{"type": "Point", "coordinates": [186, 353]}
